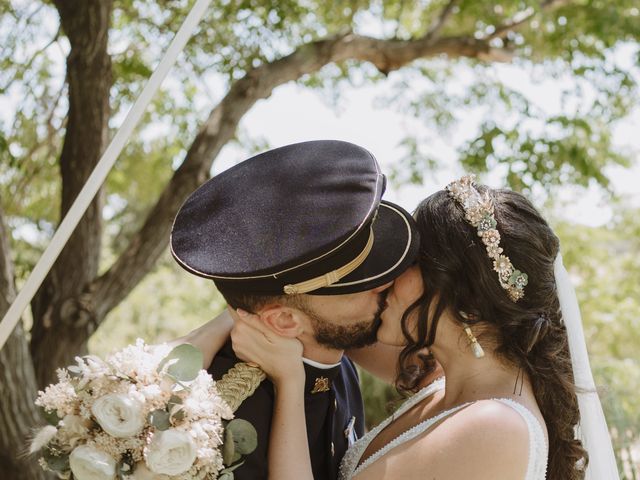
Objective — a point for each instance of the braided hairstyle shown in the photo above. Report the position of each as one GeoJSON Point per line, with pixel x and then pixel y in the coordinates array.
{"type": "Point", "coordinates": [530, 333]}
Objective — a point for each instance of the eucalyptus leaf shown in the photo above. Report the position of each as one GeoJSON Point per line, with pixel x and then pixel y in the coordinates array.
{"type": "Point", "coordinates": [174, 407]}
{"type": "Point", "coordinates": [226, 476]}
{"type": "Point", "coordinates": [244, 435]}
{"type": "Point", "coordinates": [228, 448]}
{"type": "Point", "coordinates": [184, 362]}
{"type": "Point", "coordinates": [160, 419]}
{"type": "Point", "coordinates": [56, 463]}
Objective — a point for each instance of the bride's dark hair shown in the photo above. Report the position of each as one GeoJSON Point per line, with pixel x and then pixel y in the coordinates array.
{"type": "Point", "coordinates": [530, 334]}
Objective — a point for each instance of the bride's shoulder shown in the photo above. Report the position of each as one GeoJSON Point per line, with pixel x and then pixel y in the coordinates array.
{"type": "Point", "coordinates": [493, 418]}
{"type": "Point", "coordinates": [491, 441]}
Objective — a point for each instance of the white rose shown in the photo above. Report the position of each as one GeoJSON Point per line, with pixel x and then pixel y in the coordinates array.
{"type": "Point", "coordinates": [171, 452]}
{"type": "Point", "coordinates": [89, 463]}
{"type": "Point", "coordinates": [119, 415]}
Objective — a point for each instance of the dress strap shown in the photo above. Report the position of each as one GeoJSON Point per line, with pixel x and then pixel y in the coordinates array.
{"type": "Point", "coordinates": [350, 461]}
{"type": "Point", "coordinates": [538, 448]}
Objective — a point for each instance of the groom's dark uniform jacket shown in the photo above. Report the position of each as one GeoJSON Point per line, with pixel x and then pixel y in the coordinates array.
{"type": "Point", "coordinates": [333, 408]}
{"type": "Point", "coordinates": [306, 218]}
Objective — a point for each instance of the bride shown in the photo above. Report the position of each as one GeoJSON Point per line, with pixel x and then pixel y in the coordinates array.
{"type": "Point", "coordinates": [483, 302]}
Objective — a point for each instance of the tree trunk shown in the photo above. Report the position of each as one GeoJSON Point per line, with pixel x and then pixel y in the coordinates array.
{"type": "Point", "coordinates": [18, 414]}
{"type": "Point", "coordinates": [61, 322]}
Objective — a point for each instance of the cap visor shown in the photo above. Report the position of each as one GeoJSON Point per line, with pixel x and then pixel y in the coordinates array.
{"type": "Point", "coordinates": [395, 248]}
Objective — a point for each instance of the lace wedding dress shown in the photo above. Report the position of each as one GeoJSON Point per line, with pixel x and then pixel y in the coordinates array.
{"type": "Point", "coordinates": [349, 468]}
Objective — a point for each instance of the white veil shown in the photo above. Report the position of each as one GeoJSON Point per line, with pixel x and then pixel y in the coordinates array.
{"type": "Point", "coordinates": [593, 427]}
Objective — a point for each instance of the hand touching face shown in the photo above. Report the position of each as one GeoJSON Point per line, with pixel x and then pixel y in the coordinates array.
{"type": "Point", "coordinates": [254, 341]}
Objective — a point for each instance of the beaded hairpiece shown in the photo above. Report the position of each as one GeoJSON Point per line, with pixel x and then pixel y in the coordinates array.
{"type": "Point", "coordinates": [478, 210]}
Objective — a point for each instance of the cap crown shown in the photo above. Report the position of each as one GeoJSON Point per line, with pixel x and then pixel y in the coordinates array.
{"type": "Point", "coordinates": [278, 211]}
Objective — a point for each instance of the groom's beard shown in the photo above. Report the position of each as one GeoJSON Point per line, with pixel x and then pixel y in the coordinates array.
{"type": "Point", "coordinates": [343, 337]}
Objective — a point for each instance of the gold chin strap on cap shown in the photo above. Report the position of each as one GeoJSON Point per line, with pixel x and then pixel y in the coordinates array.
{"type": "Point", "coordinates": [333, 276]}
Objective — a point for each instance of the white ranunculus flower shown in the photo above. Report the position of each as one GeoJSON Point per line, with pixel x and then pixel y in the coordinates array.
{"type": "Point", "coordinates": [171, 452]}
{"type": "Point", "coordinates": [89, 463]}
{"type": "Point", "coordinates": [119, 415]}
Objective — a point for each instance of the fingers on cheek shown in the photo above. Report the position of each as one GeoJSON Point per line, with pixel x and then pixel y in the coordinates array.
{"type": "Point", "coordinates": [239, 331]}
{"type": "Point", "coordinates": [238, 343]}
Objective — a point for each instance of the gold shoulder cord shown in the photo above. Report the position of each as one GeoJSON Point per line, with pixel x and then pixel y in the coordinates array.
{"type": "Point", "coordinates": [239, 383]}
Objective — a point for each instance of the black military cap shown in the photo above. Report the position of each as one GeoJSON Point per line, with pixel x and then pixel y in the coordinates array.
{"type": "Point", "coordinates": [303, 218]}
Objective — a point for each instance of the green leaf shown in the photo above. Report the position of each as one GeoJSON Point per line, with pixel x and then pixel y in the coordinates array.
{"type": "Point", "coordinates": [160, 419]}
{"type": "Point", "coordinates": [228, 448]}
{"type": "Point", "coordinates": [185, 361]}
{"type": "Point", "coordinates": [244, 435]}
{"type": "Point", "coordinates": [50, 416]}
{"type": "Point", "coordinates": [174, 407]}
{"type": "Point", "coordinates": [55, 463]}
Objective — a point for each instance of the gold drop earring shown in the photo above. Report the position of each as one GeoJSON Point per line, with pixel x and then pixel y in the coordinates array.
{"type": "Point", "coordinates": [476, 348]}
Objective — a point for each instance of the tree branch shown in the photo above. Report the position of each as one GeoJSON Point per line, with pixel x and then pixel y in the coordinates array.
{"type": "Point", "coordinates": [436, 27]}
{"type": "Point", "coordinates": [150, 241]}
{"type": "Point", "coordinates": [522, 18]}
{"type": "Point", "coordinates": [17, 190]}
{"type": "Point", "coordinates": [21, 69]}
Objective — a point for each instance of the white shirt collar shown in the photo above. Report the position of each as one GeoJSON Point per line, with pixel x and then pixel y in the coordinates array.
{"type": "Point", "coordinates": [322, 366]}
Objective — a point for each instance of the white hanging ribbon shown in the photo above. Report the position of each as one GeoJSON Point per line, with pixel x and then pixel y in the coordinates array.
{"type": "Point", "coordinates": [100, 172]}
{"type": "Point", "coordinates": [593, 429]}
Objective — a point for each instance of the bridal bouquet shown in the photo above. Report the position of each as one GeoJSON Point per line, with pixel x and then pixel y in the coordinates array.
{"type": "Point", "coordinates": [145, 412]}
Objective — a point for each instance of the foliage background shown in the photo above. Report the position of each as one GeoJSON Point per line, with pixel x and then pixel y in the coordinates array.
{"type": "Point", "coordinates": [453, 108]}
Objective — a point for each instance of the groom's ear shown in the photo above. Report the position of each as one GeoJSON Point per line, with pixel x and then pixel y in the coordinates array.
{"type": "Point", "coordinates": [283, 320]}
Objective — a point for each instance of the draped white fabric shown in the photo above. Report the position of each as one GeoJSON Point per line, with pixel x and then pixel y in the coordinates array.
{"type": "Point", "coordinates": [593, 429]}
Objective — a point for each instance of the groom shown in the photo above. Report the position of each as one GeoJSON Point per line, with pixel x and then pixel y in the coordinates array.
{"type": "Point", "coordinates": [299, 235]}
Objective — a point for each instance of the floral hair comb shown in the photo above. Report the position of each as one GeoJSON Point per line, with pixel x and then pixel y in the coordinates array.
{"type": "Point", "coordinates": [478, 210]}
